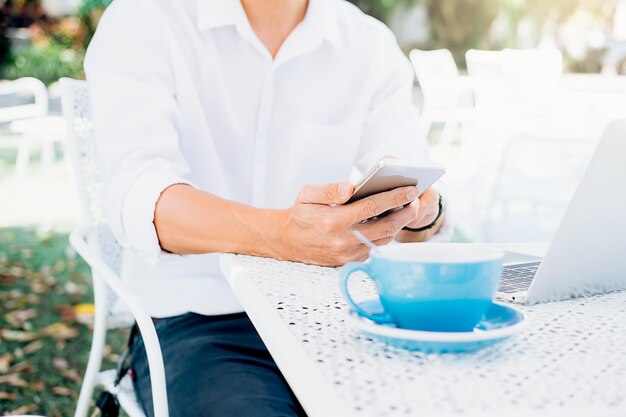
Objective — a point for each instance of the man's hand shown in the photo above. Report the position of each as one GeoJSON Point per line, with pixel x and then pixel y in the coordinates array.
{"type": "Point", "coordinates": [427, 210]}
{"type": "Point", "coordinates": [317, 229]}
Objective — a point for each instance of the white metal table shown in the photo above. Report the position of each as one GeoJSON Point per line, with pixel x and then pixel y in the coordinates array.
{"type": "Point", "coordinates": [570, 360]}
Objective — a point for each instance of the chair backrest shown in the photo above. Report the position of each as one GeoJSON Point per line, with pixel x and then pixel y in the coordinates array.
{"type": "Point", "coordinates": [24, 86]}
{"type": "Point", "coordinates": [433, 67]}
{"type": "Point", "coordinates": [488, 70]}
{"type": "Point", "coordinates": [515, 76]}
{"type": "Point", "coordinates": [484, 64]}
{"type": "Point", "coordinates": [437, 75]}
{"type": "Point", "coordinates": [86, 167]}
{"type": "Point", "coordinates": [535, 64]}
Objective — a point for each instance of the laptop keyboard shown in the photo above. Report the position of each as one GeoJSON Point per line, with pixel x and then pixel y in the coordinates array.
{"type": "Point", "coordinates": [516, 278]}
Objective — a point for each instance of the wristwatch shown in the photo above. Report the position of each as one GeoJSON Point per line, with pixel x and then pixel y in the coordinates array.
{"type": "Point", "coordinates": [432, 224]}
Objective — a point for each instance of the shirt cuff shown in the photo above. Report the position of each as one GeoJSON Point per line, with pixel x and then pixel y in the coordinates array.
{"type": "Point", "coordinates": [138, 213]}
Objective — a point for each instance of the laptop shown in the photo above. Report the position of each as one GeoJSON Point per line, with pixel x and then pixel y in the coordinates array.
{"type": "Point", "coordinates": [588, 253]}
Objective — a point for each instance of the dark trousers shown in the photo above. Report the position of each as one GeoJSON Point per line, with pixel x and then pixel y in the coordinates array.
{"type": "Point", "coordinates": [214, 366]}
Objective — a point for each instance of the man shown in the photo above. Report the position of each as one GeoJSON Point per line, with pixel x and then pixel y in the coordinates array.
{"type": "Point", "coordinates": [212, 116]}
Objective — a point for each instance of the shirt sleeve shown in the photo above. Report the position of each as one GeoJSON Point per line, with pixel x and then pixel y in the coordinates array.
{"type": "Point", "coordinates": [134, 110]}
{"type": "Point", "coordinates": [392, 121]}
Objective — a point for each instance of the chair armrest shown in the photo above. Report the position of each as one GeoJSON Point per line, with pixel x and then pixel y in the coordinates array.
{"type": "Point", "coordinates": [32, 86]}
{"type": "Point", "coordinates": [78, 240]}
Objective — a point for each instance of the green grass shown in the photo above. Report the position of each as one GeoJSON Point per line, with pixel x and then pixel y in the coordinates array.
{"type": "Point", "coordinates": [44, 345]}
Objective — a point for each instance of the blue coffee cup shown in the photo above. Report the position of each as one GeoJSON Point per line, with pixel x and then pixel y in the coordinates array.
{"type": "Point", "coordinates": [444, 287]}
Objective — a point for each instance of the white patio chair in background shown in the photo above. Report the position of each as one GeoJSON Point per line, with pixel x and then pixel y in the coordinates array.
{"type": "Point", "coordinates": [517, 93]}
{"type": "Point", "coordinates": [43, 132]}
{"type": "Point", "coordinates": [536, 70]}
{"type": "Point", "coordinates": [447, 96]}
{"type": "Point", "coordinates": [96, 244]}
{"type": "Point", "coordinates": [515, 77]}
{"type": "Point", "coordinates": [487, 69]}
{"type": "Point", "coordinates": [21, 118]}
{"type": "Point", "coordinates": [30, 86]}
{"type": "Point", "coordinates": [449, 101]}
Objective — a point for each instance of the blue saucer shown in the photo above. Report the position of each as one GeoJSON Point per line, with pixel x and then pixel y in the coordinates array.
{"type": "Point", "coordinates": [498, 323]}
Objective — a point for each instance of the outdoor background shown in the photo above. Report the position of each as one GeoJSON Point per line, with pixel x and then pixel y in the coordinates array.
{"type": "Point", "coordinates": [515, 140]}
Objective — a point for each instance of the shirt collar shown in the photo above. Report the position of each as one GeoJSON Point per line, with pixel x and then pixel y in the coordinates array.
{"type": "Point", "coordinates": [322, 14]}
{"type": "Point", "coordinates": [218, 13]}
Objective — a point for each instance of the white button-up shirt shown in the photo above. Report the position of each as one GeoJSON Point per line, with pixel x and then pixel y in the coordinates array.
{"type": "Point", "coordinates": [184, 92]}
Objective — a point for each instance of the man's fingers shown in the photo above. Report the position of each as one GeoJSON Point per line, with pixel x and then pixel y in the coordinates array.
{"type": "Point", "coordinates": [379, 203]}
{"type": "Point", "coordinates": [429, 208]}
{"type": "Point", "coordinates": [336, 193]}
{"type": "Point", "coordinates": [424, 221]}
{"type": "Point", "coordinates": [421, 215]}
{"type": "Point", "coordinates": [361, 252]}
{"type": "Point", "coordinates": [383, 241]}
{"type": "Point", "coordinates": [389, 226]}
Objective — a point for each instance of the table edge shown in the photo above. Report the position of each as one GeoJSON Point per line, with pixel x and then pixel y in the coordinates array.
{"type": "Point", "coordinates": [292, 360]}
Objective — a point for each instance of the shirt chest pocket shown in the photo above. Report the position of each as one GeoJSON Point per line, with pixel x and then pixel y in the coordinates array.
{"type": "Point", "coordinates": [323, 153]}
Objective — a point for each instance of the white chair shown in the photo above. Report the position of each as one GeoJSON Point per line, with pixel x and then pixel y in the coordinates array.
{"type": "Point", "coordinates": [488, 70]}
{"type": "Point", "coordinates": [21, 115]}
{"type": "Point", "coordinates": [31, 86]}
{"type": "Point", "coordinates": [536, 63]}
{"type": "Point", "coordinates": [515, 77]}
{"type": "Point", "coordinates": [447, 95]}
{"type": "Point", "coordinates": [43, 132]}
{"type": "Point", "coordinates": [96, 244]}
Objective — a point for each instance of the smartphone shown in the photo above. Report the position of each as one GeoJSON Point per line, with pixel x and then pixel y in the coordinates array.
{"type": "Point", "coordinates": [388, 174]}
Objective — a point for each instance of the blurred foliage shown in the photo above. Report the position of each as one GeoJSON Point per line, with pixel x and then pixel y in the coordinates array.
{"type": "Point", "coordinates": [541, 11]}
{"type": "Point", "coordinates": [57, 50]}
{"type": "Point", "coordinates": [454, 24]}
{"type": "Point", "coordinates": [5, 46]}
{"type": "Point", "coordinates": [381, 9]}
{"type": "Point", "coordinates": [58, 46]}
{"type": "Point", "coordinates": [89, 13]}
{"type": "Point", "coordinates": [46, 62]}
{"type": "Point", "coordinates": [460, 25]}
{"type": "Point", "coordinates": [591, 63]}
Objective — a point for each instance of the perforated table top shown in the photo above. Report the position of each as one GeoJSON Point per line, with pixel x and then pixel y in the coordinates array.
{"type": "Point", "coordinates": [570, 360]}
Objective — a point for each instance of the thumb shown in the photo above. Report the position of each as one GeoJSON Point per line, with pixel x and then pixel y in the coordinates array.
{"type": "Point", "coordinates": [336, 193]}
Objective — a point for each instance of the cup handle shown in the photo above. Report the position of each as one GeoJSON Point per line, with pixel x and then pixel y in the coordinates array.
{"type": "Point", "coordinates": [344, 277]}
